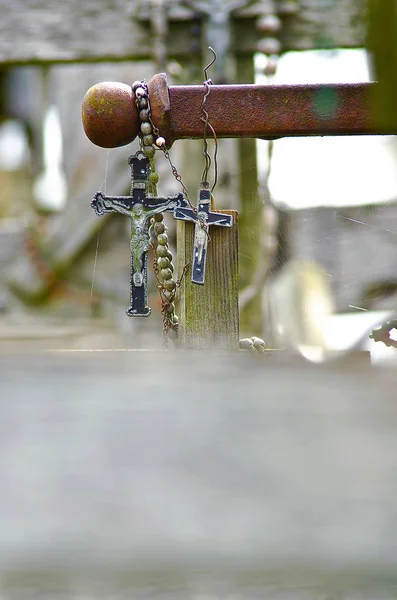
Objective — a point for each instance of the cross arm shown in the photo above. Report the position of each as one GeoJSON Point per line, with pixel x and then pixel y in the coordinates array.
{"type": "Point", "coordinates": [124, 204]}
{"type": "Point", "coordinates": [103, 204]}
{"type": "Point", "coordinates": [215, 218]}
{"type": "Point", "coordinates": [235, 111]}
{"type": "Point", "coordinates": [155, 204]}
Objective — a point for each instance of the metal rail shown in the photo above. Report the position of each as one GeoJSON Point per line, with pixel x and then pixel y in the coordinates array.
{"type": "Point", "coordinates": [110, 117]}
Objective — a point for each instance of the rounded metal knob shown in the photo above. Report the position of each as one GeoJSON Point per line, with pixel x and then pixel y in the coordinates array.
{"type": "Point", "coordinates": [109, 114]}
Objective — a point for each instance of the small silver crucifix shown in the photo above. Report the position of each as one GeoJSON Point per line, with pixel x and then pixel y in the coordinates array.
{"type": "Point", "coordinates": [203, 219]}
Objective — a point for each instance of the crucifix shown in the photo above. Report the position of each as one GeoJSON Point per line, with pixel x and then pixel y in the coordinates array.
{"type": "Point", "coordinates": [139, 207]}
{"type": "Point", "coordinates": [203, 219]}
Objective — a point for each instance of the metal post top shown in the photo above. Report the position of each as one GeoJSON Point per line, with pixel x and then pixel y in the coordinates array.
{"type": "Point", "coordinates": [110, 117]}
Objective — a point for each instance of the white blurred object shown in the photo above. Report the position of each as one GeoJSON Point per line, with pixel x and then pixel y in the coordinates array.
{"type": "Point", "coordinates": [50, 187]}
{"type": "Point", "coordinates": [300, 302]}
{"type": "Point", "coordinates": [14, 149]}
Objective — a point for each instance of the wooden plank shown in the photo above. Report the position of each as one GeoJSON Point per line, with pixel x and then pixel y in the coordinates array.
{"type": "Point", "coordinates": [32, 31]}
{"type": "Point", "coordinates": [210, 479]}
{"type": "Point", "coordinates": [209, 315]}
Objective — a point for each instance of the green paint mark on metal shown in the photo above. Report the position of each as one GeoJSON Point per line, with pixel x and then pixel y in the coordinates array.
{"type": "Point", "coordinates": [326, 103]}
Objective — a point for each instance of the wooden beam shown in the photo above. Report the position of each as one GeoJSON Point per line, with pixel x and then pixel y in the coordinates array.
{"type": "Point", "coordinates": [100, 30]}
{"type": "Point", "coordinates": [209, 315]}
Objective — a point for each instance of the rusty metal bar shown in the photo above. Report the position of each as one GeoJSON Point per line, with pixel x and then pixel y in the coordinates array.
{"type": "Point", "coordinates": [266, 111]}
{"type": "Point", "coordinates": [110, 117]}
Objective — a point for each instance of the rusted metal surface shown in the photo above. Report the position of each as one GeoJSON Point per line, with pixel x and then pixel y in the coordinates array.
{"type": "Point", "coordinates": [160, 106]}
{"type": "Point", "coordinates": [109, 114]}
{"type": "Point", "coordinates": [264, 111]}
{"type": "Point", "coordinates": [235, 111]}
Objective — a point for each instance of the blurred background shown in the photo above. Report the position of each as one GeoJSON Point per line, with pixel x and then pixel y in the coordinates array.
{"type": "Point", "coordinates": [317, 215]}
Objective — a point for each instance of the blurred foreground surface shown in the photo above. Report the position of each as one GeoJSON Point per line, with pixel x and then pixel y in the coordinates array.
{"type": "Point", "coordinates": [180, 475]}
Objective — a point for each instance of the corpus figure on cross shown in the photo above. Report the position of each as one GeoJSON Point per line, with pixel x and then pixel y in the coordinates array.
{"type": "Point", "coordinates": [139, 207]}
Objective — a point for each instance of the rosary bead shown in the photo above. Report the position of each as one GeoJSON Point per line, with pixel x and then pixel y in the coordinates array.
{"type": "Point", "coordinates": [160, 142]}
{"type": "Point", "coordinates": [142, 103]}
{"type": "Point", "coordinates": [158, 217]}
{"type": "Point", "coordinates": [144, 115]}
{"type": "Point", "coordinates": [159, 228]}
{"type": "Point", "coordinates": [169, 296]}
{"type": "Point", "coordinates": [146, 128]}
{"type": "Point", "coordinates": [171, 307]}
{"type": "Point", "coordinates": [166, 273]}
{"type": "Point", "coordinates": [147, 140]}
{"type": "Point", "coordinates": [161, 251]}
{"type": "Point", "coordinates": [169, 285]}
{"type": "Point", "coordinates": [153, 178]}
{"type": "Point", "coordinates": [136, 85]}
{"type": "Point", "coordinates": [162, 239]}
{"type": "Point", "coordinates": [163, 262]}
{"type": "Point", "coordinates": [175, 320]}
{"type": "Point", "coordinates": [149, 151]}
{"type": "Point", "coordinates": [269, 46]}
{"type": "Point", "coordinates": [140, 92]}
{"type": "Point", "coordinates": [269, 24]}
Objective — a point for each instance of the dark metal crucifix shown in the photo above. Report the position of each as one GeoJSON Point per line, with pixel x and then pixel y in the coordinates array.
{"type": "Point", "coordinates": [203, 218]}
{"type": "Point", "coordinates": [139, 207]}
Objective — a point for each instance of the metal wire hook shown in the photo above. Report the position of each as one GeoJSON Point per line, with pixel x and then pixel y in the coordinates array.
{"type": "Point", "coordinates": [210, 64]}
{"type": "Point", "coordinates": [205, 119]}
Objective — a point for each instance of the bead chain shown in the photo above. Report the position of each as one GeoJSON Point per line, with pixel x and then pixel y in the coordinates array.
{"type": "Point", "coordinates": [162, 262]}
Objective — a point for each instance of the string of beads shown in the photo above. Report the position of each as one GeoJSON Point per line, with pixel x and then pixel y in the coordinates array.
{"type": "Point", "coordinates": [162, 263]}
